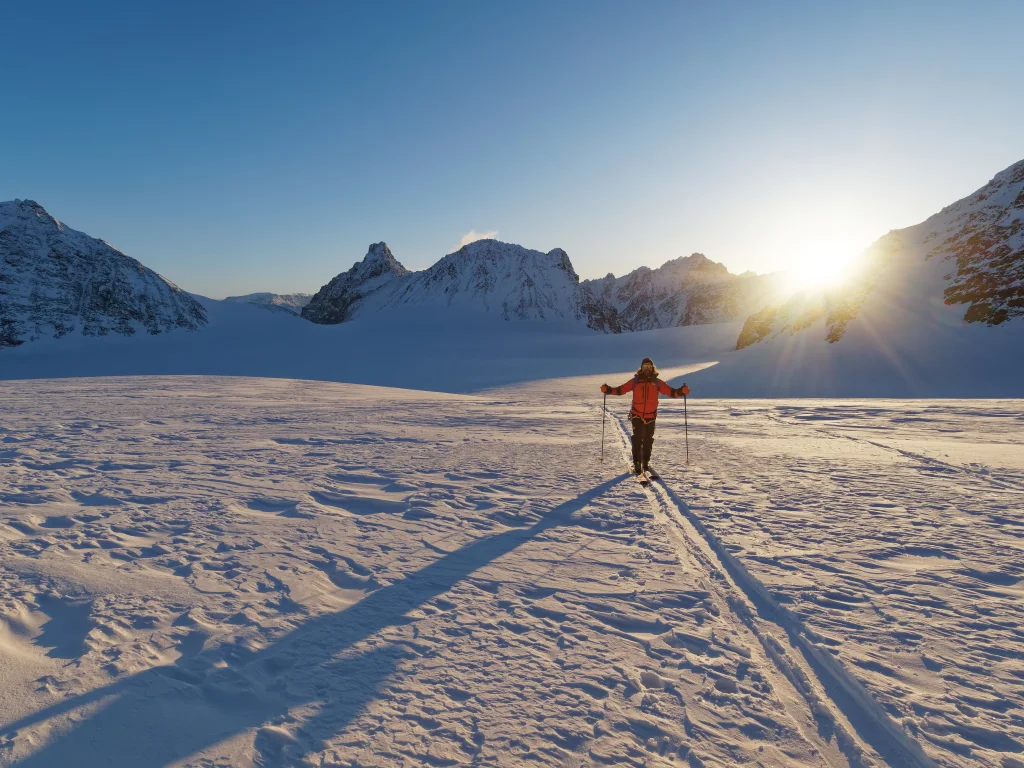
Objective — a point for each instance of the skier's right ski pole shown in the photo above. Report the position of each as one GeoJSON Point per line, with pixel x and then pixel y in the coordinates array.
{"type": "Point", "coordinates": [604, 410]}
{"type": "Point", "coordinates": [685, 390]}
{"type": "Point", "coordinates": [686, 431]}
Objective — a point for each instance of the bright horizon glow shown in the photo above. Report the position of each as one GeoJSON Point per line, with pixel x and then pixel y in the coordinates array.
{"type": "Point", "coordinates": [262, 147]}
{"type": "Point", "coordinates": [823, 265]}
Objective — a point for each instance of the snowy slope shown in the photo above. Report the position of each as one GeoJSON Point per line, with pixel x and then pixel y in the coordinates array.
{"type": "Point", "coordinates": [929, 311]}
{"type": "Point", "coordinates": [691, 290]}
{"type": "Point", "coordinates": [56, 281]}
{"type": "Point", "coordinates": [284, 302]}
{"type": "Point", "coordinates": [458, 350]}
{"type": "Point", "coordinates": [204, 571]}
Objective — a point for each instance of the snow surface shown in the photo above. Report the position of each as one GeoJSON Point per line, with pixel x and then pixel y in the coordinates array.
{"type": "Point", "coordinates": [454, 351]}
{"type": "Point", "coordinates": [238, 571]}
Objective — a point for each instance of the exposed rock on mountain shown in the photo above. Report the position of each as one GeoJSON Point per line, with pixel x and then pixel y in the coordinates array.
{"type": "Point", "coordinates": [689, 290]}
{"type": "Point", "coordinates": [971, 252]}
{"type": "Point", "coordinates": [512, 281]}
{"type": "Point", "coordinates": [984, 235]}
{"type": "Point", "coordinates": [519, 283]}
{"type": "Point", "coordinates": [336, 301]}
{"type": "Point", "coordinates": [55, 280]}
{"type": "Point", "coordinates": [279, 302]}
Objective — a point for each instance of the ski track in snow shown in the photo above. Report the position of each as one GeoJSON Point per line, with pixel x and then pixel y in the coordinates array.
{"type": "Point", "coordinates": [210, 571]}
{"type": "Point", "coordinates": [892, 532]}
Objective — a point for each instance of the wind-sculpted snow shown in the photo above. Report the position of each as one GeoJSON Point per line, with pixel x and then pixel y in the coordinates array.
{"type": "Point", "coordinates": [894, 532]}
{"type": "Point", "coordinates": [56, 281]}
{"type": "Point", "coordinates": [201, 571]}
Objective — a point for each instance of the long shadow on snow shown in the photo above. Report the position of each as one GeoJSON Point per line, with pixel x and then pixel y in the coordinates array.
{"type": "Point", "coordinates": [166, 713]}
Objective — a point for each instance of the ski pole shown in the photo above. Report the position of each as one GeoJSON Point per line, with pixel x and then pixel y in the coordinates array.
{"type": "Point", "coordinates": [686, 431]}
{"type": "Point", "coordinates": [685, 390]}
{"type": "Point", "coordinates": [604, 411]}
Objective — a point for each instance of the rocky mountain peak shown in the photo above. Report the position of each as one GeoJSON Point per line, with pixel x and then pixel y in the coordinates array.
{"type": "Point", "coordinates": [55, 280]}
{"type": "Point", "coordinates": [334, 302]}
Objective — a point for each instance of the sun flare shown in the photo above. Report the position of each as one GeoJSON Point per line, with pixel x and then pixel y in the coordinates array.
{"type": "Point", "coordinates": [821, 267]}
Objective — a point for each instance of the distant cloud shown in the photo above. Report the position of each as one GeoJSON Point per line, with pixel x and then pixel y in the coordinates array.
{"type": "Point", "coordinates": [472, 236]}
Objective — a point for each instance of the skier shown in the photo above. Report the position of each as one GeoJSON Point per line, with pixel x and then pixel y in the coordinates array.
{"type": "Point", "coordinates": [645, 386]}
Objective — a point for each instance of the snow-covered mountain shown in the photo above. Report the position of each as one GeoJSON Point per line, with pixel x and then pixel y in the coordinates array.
{"type": "Point", "coordinates": [282, 302]}
{"type": "Point", "coordinates": [498, 278]}
{"type": "Point", "coordinates": [932, 310]}
{"type": "Point", "coordinates": [518, 283]}
{"type": "Point", "coordinates": [970, 253]}
{"type": "Point", "coordinates": [689, 290]}
{"type": "Point", "coordinates": [337, 301]}
{"type": "Point", "coordinates": [55, 280]}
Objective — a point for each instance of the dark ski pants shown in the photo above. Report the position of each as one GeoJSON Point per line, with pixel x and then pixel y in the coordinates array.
{"type": "Point", "coordinates": [643, 440]}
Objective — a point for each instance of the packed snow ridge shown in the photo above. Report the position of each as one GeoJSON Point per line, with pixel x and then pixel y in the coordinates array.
{"type": "Point", "coordinates": [518, 283]}
{"type": "Point", "coordinates": [55, 280]}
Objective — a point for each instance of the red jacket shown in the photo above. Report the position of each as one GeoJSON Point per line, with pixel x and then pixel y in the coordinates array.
{"type": "Point", "coordinates": [645, 395]}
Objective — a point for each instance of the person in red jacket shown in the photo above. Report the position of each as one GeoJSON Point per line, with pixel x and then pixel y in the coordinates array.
{"type": "Point", "coordinates": [645, 386]}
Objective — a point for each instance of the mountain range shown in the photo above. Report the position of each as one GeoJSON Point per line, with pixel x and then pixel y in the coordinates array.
{"type": "Point", "coordinates": [934, 302]}
{"type": "Point", "coordinates": [517, 283]}
{"type": "Point", "coordinates": [291, 303]}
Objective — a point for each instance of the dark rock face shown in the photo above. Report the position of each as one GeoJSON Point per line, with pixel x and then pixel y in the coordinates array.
{"type": "Point", "coordinates": [55, 280]}
{"type": "Point", "coordinates": [334, 303]}
{"type": "Point", "coordinates": [982, 236]}
{"type": "Point", "coordinates": [985, 238]}
{"type": "Point", "coordinates": [691, 290]}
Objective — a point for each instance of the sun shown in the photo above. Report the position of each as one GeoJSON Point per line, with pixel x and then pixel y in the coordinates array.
{"type": "Point", "coordinates": [821, 266]}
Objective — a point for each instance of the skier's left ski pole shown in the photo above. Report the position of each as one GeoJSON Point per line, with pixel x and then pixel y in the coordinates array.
{"type": "Point", "coordinates": [604, 410]}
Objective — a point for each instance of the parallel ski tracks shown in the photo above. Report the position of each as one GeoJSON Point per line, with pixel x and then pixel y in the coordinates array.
{"type": "Point", "coordinates": [823, 693]}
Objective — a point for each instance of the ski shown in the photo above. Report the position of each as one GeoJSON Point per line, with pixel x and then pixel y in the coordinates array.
{"type": "Point", "coordinates": [640, 477]}
{"type": "Point", "coordinates": [653, 475]}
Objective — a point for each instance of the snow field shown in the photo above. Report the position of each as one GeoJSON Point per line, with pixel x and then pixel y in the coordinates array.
{"type": "Point", "coordinates": [200, 571]}
{"type": "Point", "coordinates": [890, 533]}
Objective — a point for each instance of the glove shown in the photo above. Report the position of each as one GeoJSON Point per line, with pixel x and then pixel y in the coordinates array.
{"type": "Point", "coordinates": [605, 388]}
{"type": "Point", "coordinates": [683, 390]}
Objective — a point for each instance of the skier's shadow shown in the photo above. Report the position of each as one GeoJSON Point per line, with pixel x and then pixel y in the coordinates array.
{"type": "Point", "coordinates": [167, 713]}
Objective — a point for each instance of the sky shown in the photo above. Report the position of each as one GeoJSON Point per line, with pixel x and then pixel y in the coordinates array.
{"type": "Point", "coordinates": [262, 146]}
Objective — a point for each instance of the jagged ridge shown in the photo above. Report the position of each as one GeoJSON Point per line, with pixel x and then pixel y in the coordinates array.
{"type": "Point", "coordinates": [55, 280]}
{"type": "Point", "coordinates": [520, 283]}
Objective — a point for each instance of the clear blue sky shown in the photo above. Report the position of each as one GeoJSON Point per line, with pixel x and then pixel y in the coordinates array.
{"type": "Point", "coordinates": [236, 147]}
